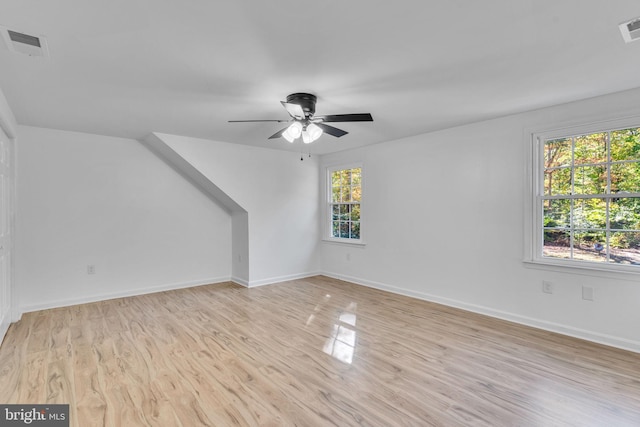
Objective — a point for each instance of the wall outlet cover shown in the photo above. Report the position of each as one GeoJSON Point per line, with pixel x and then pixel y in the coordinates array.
{"type": "Point", "coordinates": [587, 293]}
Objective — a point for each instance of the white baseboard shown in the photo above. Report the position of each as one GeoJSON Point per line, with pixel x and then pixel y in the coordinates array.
{"type": "Point", "coordinates": [239, 281]}
{"type": "Point", "coordinates": [129, 293]}
{"type": "Point", "coordinates": [160, 288]}
{"type": "Point", "coordinates": [16, 315]}
{"type": "Point", "coordinates": [596, 337]}
{"type": "Point", "coordinates": [263, 282]}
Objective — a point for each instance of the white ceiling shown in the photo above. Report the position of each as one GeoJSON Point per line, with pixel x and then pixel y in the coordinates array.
{"type": "Point", "coordinates": [130, 67]}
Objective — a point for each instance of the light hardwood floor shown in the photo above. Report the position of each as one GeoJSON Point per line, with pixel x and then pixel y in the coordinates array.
{"type": "Point", "coordinates": [313, 352]}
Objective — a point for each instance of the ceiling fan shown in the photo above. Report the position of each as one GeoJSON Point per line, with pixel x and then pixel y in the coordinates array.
{"type": "Point", "coordinates": [304, 123]}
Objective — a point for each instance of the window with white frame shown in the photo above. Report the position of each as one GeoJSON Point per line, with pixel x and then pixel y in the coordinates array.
{"type": "Point", "coordinates": [344, 196]}
{"type": "Point", "coordinates": [587, 201]}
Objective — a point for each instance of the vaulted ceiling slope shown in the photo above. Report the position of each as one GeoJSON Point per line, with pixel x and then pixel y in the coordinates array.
{"type": "Point", "coordinates": [130, 67]}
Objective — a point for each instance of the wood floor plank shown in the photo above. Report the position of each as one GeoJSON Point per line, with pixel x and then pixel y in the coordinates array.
{"type": "Point", "coordinates": [310, 352]}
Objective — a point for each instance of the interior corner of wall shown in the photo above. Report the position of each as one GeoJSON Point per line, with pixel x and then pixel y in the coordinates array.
{"type": "Point", "coordinates": [8, 121]}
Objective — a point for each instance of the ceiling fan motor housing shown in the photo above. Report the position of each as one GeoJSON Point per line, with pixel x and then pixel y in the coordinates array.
{"type": "Point", "coordinates": [305, 100]}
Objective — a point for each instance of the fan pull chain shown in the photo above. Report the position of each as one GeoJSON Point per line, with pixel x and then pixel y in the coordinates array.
{"type": "Point", "coordinates": [302, 156]}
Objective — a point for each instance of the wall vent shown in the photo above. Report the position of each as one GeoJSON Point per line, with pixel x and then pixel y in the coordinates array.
{"type": "Point", "coordinates": [26, 44]}
{"type": "Point", "coordinates": [630, 30]}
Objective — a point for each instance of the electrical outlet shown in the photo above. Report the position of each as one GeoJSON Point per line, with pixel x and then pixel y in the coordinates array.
{"type": "Point", "coordinates": [547, 287]}
{"type": "Point", "coordinates": [91, 269]}
{"type": "Point", "coordinates": [348, 256]}
{"type": "Point", "coordinates": [587, 293]}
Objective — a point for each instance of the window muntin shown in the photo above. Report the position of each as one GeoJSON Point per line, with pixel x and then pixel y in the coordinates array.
{"type": "Point", "coordinates": [590, 197]}
{"type": "Point", "coordinates": [344, 203]}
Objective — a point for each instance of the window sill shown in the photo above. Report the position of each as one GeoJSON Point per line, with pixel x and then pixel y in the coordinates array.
{"type": "Point", "coordinates": [358, 243]}
{"type": "Point", "coordinates": [621, 272]}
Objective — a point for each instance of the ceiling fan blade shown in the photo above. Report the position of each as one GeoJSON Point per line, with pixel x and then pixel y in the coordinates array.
{"type": "Point", "coordinates": [331, 130]}
{"type": "Point", "coordinates": [294, 110]}
{"type": "Point", "coordinates": [251, 121]}
{"type": "Point", "coordinates": [278, 134]}
{"type": "Point", "coordinates": [361, 117]}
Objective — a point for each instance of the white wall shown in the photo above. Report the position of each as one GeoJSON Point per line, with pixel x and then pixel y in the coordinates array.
{"type": "Point", "coordinates": [239, 218]}
{"type": "Point", "coordinates": [96, 200]}
{"type": "Point", "coordinates": [280, 194]}
{"type": "Point", "coordinates": [240, 247]}
{"type": "Point", "coordinates": [444, 222]}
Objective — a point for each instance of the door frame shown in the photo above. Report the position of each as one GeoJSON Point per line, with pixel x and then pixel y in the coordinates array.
{"type": "Point", "coordinates": [9, 126]}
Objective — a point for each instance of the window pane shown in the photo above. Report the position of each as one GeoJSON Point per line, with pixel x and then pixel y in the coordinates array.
{"type": "Point", "coordinates": [625, 144]}
{"type": "Point", "coordinates": [556, 244]}
{"type": "Point", "coordinates": [590, 180]}
{"type": "Point", "coordinates": [335, 179]}
{"type": "Point", "coordinates": [625, 248]}
{"type": "Point", "coordinates": [557, 153]}
{"type": "Point", "coordinates": [355, 230]}
{"type": "Point", "coordinates": [345, 194]}
{"type": "Point", "coordinates": [624, 213]}
{"type": "Point", "coordinates": [625, 177]}
{"type": "Point", "coordinates": [356, 176]}
{"type": "Point", "coordinates": [345, 178]}
{"type": "Point", "coordinates": [557, 213]}
{"type": "Point", "coordinates": [557, 182]}
{"type": "Point", "coordinates": [344, 230]}
{"type": "Point", "coordinates": [589, 213]}
{"type": "Point", "coordinates": [356, 192]}
{"type": "Point", "coordinates": [355, 212]}
{"type": "Point", "coordinates": [335, 212]}
{"type": "Point", "coordinates": [335, 194]}
{"type": "Point", "coordinates": [344, 207]}
{"type": "Point", "coordinates": [590, 149]}
{"type": "Point", "coordinates": [590, 246]}
{"type": "Point", "coordinates": [344, 212]}
{"type": "Point", "coordinates": [593, 229]}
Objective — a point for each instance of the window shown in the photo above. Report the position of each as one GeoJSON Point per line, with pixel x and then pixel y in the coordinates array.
{"type": "Point", "coordinates": [588, 198]}
{"type": "Point", "coordinates": [345, 194]}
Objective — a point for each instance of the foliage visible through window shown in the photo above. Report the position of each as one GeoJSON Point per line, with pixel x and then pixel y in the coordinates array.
{"type": "Point", "coordinates": [591, 197]}
{"type": "Point", "coordinates": [346, 192]}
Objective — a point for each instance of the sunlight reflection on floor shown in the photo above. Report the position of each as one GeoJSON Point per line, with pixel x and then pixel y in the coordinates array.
{"type": "Point", "coordinates": [342, 342]}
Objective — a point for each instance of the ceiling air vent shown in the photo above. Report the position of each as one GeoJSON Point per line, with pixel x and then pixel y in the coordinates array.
{"type": "Point", "coordinates": [630, 30]}
{"type": "Point", "coordinates": [25, 43]}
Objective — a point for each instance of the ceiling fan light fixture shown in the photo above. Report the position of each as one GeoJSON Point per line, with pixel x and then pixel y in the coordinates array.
{"type": "Point", "coordinates": [294, 131]}
{"type": "Point", "coordinates": [306, 138]}
{"type": "Point", "coordinates": [287, 136]}
{"type": "Point", "coordinates": [314, 131]}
